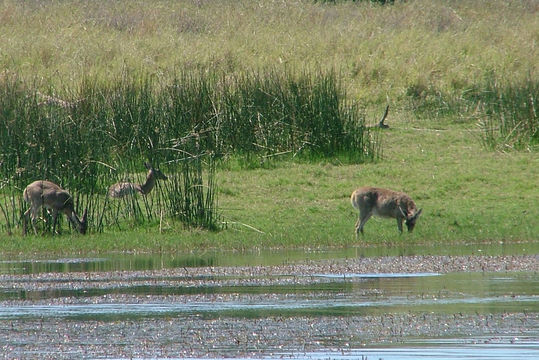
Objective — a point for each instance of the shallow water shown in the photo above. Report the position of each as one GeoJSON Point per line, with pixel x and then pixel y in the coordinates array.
{"type": "Point", "coordinates": [449, 350]}
{"type": "Point", "coordinates": [132, 262]}
{"type": "Point", "coordinates": [351, 315]}
{"type": "Point", "coordinates": [339, 295]}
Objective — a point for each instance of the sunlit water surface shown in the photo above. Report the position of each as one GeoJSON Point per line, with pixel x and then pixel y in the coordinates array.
{"type": "Point", "coordinates": [338, 295]}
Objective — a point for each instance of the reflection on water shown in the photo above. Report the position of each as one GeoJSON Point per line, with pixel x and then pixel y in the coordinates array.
{"type": "Point", "coordinates": [120, 262]}
{"type": "Point", "coordinates": [132, 262]}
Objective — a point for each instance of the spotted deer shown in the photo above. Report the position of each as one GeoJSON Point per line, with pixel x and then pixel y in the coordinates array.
{"type": "Point", "coordinates": [384, 203]}
{"type": "Point", "coordinates": [121, 189]}
{"type": "Point", "coordinates": [43, 193]}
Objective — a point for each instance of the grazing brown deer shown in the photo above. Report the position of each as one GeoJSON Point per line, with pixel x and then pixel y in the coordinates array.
{"type": "Point", "coordinates": [385, 203]}
{"type": "Point", "coordinates": [121, 189]}
{"type": "Point", "coordinates": [43, 193]}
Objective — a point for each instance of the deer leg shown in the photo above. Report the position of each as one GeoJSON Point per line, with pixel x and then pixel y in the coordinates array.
{"type": "Point", "coordinates": [399, 223]}
{"type": "Point", "coordinates": [25, 218]}
{"type": "Point", "coordinates": [54, 221]}
{"type": "Point", "coordinates": [33, 216]}
{"type": "Point", "coordinates": [356, 227]}
{"type": "Point", "coordinates": [362, 220]}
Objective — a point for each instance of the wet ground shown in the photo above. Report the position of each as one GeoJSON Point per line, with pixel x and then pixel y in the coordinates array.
{"type": "Point", "coordinates": [316, 305]}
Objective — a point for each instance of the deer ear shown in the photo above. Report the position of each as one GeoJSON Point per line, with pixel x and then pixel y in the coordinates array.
{"type": "Point", "coordinates": [148, 165]}
{"type": "Point", "coordinates": [85, 216]}
{"type": "Point", "coordinates": [418, 213]}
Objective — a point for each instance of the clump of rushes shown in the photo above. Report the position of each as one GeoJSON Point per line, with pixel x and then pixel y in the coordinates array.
{"type": "Point", "coordinates": [506, 112]}
{"type": "Point", "coordinates": [188, 198]}
{"type": "Point", "coordinates": [509, 115]}
{"type": "Point", "coordinates": [266, 114]}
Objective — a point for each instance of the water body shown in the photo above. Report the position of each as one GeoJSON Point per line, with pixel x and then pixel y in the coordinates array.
{"type": "Point", "coordinates": [343, 315]}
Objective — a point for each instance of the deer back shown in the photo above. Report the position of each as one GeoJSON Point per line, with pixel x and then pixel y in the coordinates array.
{"type": "Point", "coordinates": [48, 194]}
{"type": "Point", "coordinates": [122, 189]}
{"type": "Point", "coordinates": [383, 202]}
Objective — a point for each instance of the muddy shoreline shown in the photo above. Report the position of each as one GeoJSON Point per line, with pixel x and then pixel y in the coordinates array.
{"type": "Point", "coordinates": [256, 334]}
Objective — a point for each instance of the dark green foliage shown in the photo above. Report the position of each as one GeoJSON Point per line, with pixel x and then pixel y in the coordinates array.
{"type": "Point", "coordinates": [509, 118]}
{"type": "Point", "coordinates": [263, 115]}
{"type": "Point", "coordinates": [189, 199]}
{"type": "Point", "coordinates": [138, 118]}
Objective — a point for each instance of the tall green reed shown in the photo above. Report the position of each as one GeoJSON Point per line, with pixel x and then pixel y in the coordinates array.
{"type": "Point", "coordinates": [268, 113]}
{"type": "Point", "coordinates": [506, 112]}
{"type": "Point", "coordinates": [190, 199]}
{"type": "Point", "coordinates": [509, 115]}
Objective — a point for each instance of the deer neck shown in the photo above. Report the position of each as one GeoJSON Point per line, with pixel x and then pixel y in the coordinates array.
{"type": "Point", "coordinates": [149, 184]}
{"type": "Point", "coordinates": [75, 221]}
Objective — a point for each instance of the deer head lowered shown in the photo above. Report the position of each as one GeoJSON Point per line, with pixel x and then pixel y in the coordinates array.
{"type": "Point", "coordinates": [121, 189]}
{"type": "Point", "coordinates": [385, 203]}
{"type": "Point", "coordinates": [43, 193]}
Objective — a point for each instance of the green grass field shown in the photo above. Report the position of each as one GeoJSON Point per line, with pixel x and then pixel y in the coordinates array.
{"type": "Point", "coordinates": [434, 62]}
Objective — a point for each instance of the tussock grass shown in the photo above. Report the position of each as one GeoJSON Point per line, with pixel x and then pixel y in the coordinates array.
{"type": "Point", "coordinates": [510, 116]}
{"type": "Point", "coordinates": [505, 112]}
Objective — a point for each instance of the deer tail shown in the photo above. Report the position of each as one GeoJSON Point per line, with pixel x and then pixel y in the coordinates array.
{"type": "Point", "coordinates": [25, 196]}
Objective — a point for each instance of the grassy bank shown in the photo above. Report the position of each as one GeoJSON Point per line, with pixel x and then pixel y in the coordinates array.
{"type": "Point", "coordinates": [468, 195]}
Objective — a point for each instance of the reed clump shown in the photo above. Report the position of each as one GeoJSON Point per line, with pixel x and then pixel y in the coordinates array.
{"type": "Point", "coordinates": [506, 112]}
{"type": "Point", "coordinates": [509, 115]}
